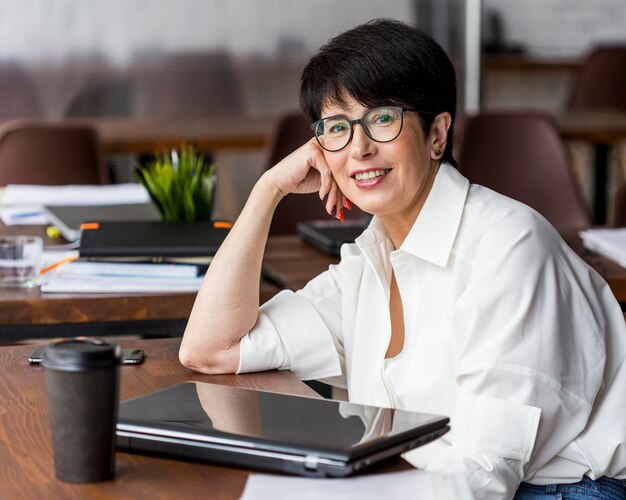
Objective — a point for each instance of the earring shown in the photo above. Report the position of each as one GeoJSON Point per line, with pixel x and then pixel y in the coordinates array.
{"type": "Point", "coordinates": [437, 152]}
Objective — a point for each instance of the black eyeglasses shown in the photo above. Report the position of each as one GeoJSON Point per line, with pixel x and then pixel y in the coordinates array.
{"type": "Point", "coordinates": [381, 124]}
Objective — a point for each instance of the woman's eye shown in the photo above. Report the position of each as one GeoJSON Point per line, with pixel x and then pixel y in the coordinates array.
{"type": "Point", "coordinates": [382, 118]}
{"type": "Point", "coordinates": [338, 128]}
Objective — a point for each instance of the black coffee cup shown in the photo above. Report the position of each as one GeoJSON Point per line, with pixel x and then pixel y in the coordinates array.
{"type": "Point", "coordinates": [82, 380]}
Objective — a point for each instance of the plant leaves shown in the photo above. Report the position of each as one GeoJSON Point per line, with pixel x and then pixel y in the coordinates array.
{"type": "Point", "coordinates": [182, 191]}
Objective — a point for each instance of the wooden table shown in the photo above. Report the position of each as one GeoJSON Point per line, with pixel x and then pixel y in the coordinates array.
{"type": "Point", "coordinates": [143, 135]}
{"type": "Point", "coordinates": [288, 263]}
{"type": "Point", "coordinates": [598, 128]}
{"type": "Point", "coordinates": [147, 136]}
{"type": "Point", "coordinates": [27, 470]}
{"type": "Point", "coordinates": [28, 313]}
{"type": "Point", "coordinates": [603, 130]}
{"type": "Point", "coordinates": [291, 263]}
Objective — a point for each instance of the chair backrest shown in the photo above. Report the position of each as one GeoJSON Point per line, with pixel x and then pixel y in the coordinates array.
{"type": "Point", "coordinates": [601, 82]}
{"type": "Point", "coordinates": [618, 218]}
{"type": "Point", "coordinates": [521, 155]}
{"type": "Point", "coordinates": [290, 132]}
{"type": "Point", "coordinates": [33, 152]}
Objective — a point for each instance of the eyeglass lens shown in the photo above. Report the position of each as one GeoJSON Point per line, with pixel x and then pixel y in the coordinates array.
{"type": "Point", "coordinates": [381, 124]}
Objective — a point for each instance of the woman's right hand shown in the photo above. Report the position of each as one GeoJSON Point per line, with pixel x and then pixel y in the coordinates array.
{"type": "Point", "coordinates": [306, 171]}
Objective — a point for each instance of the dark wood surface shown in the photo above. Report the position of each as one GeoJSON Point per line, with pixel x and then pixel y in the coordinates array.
{"type": "Point", "coordinates": [526, 63]}
{"type": "Point", "coordinates": [595, 127]}
{"type": "Point", "coordinates": [26, 465]}
{"type": "Point", "coordinates": [22, 306]}
{"type": "Point", "coordinates": [135, 135]}
{"type": "Point", "coordinates": [147, 136]}
{"type": "Point", "coordinates": [603, 130]}
{"type": "Point", "coordinates": [288, 263]}
{"type": "Point", "coordinates": [291, 263]}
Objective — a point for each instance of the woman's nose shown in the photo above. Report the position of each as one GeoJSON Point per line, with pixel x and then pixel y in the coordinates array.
{"type": "Point", "coordinates": [361, 146]}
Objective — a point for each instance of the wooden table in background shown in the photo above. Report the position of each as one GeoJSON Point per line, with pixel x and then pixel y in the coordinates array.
{"type": "Point", "coordinates": [28, 313]}
{"type": "Point", "coordinates": [288, 263]}
{"type": "Point", "coordinates": [147, 135]}
{"type": "Point", "coordinates": [25, 449]}
{"type": "Point", "coordinates": [602, 130]}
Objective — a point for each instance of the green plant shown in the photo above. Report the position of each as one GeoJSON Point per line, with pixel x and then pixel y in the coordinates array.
{"type": "Point", "coordinates": [182, 187]}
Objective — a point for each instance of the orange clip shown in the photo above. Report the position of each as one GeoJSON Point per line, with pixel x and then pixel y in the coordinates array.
{"type": "Point", "coordinates": [89, 225]}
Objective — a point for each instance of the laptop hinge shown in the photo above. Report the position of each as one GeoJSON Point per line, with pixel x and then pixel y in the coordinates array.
{"type": "Point", "coordinates": [311, 463]}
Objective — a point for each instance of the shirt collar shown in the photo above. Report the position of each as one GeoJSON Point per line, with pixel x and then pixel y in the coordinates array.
{"type": "Point", "coordinates": [433, 232]}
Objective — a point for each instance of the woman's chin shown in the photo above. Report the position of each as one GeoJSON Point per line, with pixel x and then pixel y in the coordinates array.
{"type": "Point", "coordinates": [372, 207]}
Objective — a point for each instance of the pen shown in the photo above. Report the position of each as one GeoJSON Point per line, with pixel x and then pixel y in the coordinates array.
{"type": "Point", "coordinates": [57, 264]}
{"type": "Point", "coordinates": [24, 215]}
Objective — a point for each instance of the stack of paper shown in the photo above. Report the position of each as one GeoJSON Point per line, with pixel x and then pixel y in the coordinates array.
{"type": "Point", "coordinates": [110, 194]}
{"type": "Point", "coordinates": [610, 243]}
{"type": "Point", "coordinates": [407, 484]}
{"type": "Point", "coordinates": [108, 277]}
{"type": "Point", "coordinates": [24, 204]}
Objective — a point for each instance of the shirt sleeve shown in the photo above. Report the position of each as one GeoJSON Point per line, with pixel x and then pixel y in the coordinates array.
{"type": "Point", "coordinates": [299, 331]}
{"type": "Point", "coordinates": [529, 356]}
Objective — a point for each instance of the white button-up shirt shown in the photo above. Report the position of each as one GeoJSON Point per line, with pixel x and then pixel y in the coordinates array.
{"type": "Point", "coordinates": [507, 331]}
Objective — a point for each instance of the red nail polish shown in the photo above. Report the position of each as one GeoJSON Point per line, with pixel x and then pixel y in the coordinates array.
{"type": "Point", "coordinates": [347, 203]}
{"type": "Point", "coordinates": [340, 215]}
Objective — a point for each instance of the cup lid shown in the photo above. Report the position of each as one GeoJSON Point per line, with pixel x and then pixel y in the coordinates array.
{"type": "Point", "coordinates": [81, 354]}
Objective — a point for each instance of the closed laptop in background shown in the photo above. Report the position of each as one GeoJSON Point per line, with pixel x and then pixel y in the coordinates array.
{"type": "Point", "coordinates": [68, 218]}
{"type": "Point", "coordinates": [269, 431]}
{"type": "Point", "coordinates": [329, 236]}
{"type": "Point", "coordinates": [152, 240]}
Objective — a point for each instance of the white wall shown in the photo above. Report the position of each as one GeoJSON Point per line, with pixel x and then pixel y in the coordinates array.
{"type": "Point", "coordinates": [561, 27]}
{"type": "Point", "coordinates": [44, 30]}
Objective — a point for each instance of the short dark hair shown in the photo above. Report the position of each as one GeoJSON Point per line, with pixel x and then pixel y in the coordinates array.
{"type": "Point", "coordinates": [382, 62]}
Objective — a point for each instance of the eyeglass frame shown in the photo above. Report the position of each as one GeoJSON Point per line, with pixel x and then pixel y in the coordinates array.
{"type": "Point", "coordinates": [352, 123]}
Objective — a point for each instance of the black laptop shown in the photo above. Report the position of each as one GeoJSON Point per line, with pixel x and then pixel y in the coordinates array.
{"type": "Point", "coordinates": [68, 218]}
{"type": "Point", "coordinates": [269, 431]}
{"type": "Point", "coordinates": [329, 236]}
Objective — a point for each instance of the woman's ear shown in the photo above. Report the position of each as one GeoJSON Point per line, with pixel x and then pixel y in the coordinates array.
{"type": "Point", "coordinates": [439, 135]}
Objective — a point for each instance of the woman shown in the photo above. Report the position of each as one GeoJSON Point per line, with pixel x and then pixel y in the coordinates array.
{"type": "Point", "coordinates": [455, 300]}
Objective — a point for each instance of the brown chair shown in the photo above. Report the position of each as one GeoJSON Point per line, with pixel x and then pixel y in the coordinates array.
{"type": "Point", "coordinates": [618, 218]}
{"type": "Point", "coordinates": [601, 82]}
{"type": "Point", "coordinates": [290, 132]}
{"type": "Point", "coordinates": [521, 155]}
{"type": "Point", "coordinates": [33, 152]}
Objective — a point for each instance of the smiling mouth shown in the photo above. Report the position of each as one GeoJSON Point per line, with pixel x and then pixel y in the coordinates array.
{"type": "Point", "coordinates": [371, 174]}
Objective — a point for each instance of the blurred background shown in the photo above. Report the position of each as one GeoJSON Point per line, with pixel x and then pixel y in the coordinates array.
{"type": "Point", "coordinates": [188, 59]}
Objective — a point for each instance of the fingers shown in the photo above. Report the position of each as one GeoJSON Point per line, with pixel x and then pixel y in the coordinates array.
{"type": "Point", "coordinates": [333, 199]}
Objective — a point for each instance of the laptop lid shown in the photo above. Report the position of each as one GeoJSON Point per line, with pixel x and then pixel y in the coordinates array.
{"type": "Point", "coordinates": [68, 218]}
{"type": "Point", "coordinates": [269, 431]}
{"type": "Point", "coordinates": [329, 236]}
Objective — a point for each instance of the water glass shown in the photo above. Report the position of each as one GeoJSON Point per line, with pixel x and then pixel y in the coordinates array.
{"type": "Point", "coordinates": [20, 260]}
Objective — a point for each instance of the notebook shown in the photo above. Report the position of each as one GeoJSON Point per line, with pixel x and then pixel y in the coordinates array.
{"type": "Point", "coordinates": [152, 240]}
{"type": "Point", "coordinates": [268, 431]}
{"type": "Point", "coordinates": [328, 236]}
{"type": "Point", "coordinates": [68, 218]}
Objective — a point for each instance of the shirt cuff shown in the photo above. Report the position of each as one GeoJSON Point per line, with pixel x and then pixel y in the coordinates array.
{"type": "Point", "coordinates": [261, 349]}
